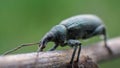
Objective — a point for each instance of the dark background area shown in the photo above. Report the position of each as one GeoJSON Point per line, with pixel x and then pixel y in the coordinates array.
{"type": "Point", "coordinates": [26, 21]}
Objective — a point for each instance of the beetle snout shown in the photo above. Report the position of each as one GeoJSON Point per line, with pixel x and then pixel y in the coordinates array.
{"type": "Point", "coordinates": [45, 40]}
{"type": "Point", "coordinates": [43, 44]}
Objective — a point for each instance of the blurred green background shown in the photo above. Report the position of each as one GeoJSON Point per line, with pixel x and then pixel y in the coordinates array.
{"type": "Point", "coordinates": [24, 21]}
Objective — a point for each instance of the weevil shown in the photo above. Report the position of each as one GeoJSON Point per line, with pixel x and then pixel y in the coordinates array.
{"type": "Point", "coordinates": [70, 31]}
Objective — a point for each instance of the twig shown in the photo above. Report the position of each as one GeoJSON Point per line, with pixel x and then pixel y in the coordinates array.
{"type": "Point", "coordinates": [60, 59]}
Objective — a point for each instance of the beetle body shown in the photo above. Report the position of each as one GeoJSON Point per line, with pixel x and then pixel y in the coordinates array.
{"type": "Point", "coordinates": [70, 30]}
{"type": "Point", "coordinates": [76, 27]}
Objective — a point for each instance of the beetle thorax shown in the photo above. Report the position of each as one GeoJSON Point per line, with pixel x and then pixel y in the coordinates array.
{"type": "Point", "coordinates": [59, 32]}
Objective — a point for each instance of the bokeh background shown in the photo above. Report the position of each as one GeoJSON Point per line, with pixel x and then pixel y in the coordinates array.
{"type": "Point", "coordinates": [25, 21]}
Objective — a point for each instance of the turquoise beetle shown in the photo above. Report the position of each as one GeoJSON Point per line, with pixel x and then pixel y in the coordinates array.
{"type": "Point", "coordinates": [70, 30]}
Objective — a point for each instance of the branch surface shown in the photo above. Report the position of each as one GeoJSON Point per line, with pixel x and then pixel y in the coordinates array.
{"type": "Point", "coordinates": [60, 59]}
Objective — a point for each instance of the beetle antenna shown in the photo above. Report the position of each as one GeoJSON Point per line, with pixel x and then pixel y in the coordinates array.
{"type": "Point", "coordinates": [16, 48]}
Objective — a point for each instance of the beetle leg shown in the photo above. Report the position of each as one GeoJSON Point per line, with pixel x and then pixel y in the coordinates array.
{"type": "Point", "coordinates": [73, 55]}
{"type": "Point", "coordinates": [54, 47]}
{"type": "Point", "coordinates": [75, 44]}
{"type": "Point", "coordinates": [97, 31]}
{"type": "Point", "coordinates": [105, 41]}
{"type": "Point", "coordinates": [101, 30]}
{"type": "Point", "coordinates": [78, 53]}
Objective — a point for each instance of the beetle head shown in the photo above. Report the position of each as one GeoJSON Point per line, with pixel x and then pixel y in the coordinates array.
{"type": "Point", "coordinates": [48, 37]}
{"type": "Point", "coordinates": [56, 34]}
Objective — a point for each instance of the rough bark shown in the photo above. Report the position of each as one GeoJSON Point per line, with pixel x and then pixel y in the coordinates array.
{"type": "Point", "coordinates": [60, 59]}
